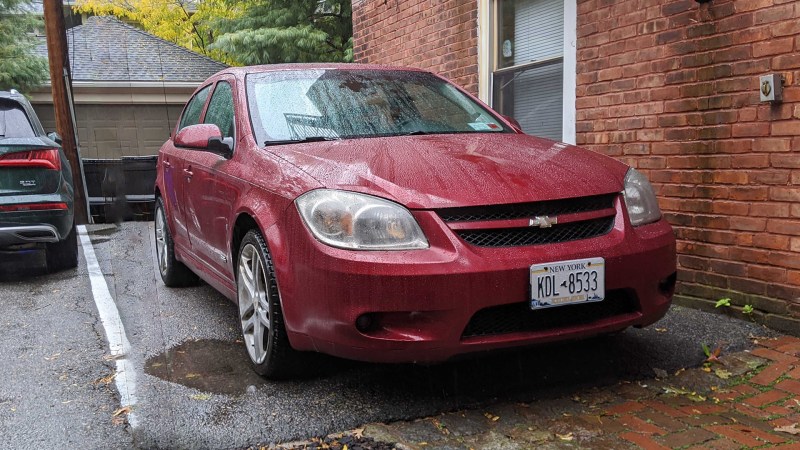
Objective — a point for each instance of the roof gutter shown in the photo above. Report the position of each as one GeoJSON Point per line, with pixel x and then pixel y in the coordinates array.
{"type": "Point", "coordinates": [122, 92]}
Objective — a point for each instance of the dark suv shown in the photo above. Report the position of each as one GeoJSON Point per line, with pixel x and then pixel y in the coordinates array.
{"type": "Point", "coordinates": [36, 189]}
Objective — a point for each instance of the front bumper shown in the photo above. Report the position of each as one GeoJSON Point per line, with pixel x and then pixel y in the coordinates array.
{"type": "Point", "coordinates": [431, 305]}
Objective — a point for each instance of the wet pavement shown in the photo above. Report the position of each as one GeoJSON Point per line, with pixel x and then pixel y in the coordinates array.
{"type": "Point", "coordinates": [195, 388]}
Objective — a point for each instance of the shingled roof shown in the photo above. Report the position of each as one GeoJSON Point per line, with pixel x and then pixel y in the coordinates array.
{"type": "Point", "coordinates": [106, 49]}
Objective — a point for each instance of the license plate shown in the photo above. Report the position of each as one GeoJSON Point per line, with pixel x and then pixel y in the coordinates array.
{"type": "Point", "coordinates": [567, 282]}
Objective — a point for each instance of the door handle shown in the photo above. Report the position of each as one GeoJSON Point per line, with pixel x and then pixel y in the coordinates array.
{"type": "Point", "coordinates": [167, 163]}
{"type": "Point", "coordinates": [188, 172]}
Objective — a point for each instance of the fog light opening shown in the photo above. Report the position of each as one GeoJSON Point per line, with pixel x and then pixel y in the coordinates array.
{"type": "Point", "coordinates": [667, 285]}
{"type": "Point", "coordinates": [366, 323]}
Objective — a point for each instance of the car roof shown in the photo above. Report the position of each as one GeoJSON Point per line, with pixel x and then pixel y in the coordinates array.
{"type": "Point", "coordinates": [12, 95]}
{"type": "Point", "coordinates": [241, 71]}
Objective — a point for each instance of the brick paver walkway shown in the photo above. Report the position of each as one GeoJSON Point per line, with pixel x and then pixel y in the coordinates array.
{"type": "Point", "coordinates": [748, 399]}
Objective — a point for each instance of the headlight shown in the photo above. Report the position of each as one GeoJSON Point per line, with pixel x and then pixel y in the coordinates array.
{"type": "Point", "coordinates": [359, 221]}
{"type": "Point", "coordinates": [640, 199]}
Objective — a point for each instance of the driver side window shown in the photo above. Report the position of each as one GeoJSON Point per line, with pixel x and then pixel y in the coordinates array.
{"type": "Point", "coordinates": [191, 115]}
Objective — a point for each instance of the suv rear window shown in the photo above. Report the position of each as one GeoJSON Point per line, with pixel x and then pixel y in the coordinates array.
{"type": "Point", "coordinates": [13, 121]}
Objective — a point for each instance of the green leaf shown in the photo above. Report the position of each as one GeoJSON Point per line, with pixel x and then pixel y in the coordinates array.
{"type": "Point", "coordinates": [723, 302]}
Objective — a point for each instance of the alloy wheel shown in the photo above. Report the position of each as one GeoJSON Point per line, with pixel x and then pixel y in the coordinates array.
{"type": "Point", "coordinates": [161, 241]}
{"type": "Point", "coordinates": [254, 307]}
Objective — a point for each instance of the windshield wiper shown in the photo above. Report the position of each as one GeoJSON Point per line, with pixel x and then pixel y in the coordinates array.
{"type": "Point", "coordinates": [305, 139]}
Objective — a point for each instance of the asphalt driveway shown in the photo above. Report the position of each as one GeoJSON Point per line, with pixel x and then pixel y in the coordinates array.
{"type": "Point", "coordinates": [194, 388]}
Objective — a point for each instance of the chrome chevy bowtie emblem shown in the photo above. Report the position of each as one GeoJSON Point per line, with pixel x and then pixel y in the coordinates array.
{"type": "Point", "coordinates": [543, 221]}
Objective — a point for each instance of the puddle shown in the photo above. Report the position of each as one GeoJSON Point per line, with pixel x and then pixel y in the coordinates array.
{"type": "Point", "coordinates": [219, 367]}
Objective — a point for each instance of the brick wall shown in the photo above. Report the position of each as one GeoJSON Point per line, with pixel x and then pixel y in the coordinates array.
{"type": "Point", "coordinates": [671, 87]}
{"type": "Point", "coordinates": [436, 35]}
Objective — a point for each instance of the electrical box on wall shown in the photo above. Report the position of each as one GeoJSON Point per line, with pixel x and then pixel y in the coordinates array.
{"type": "Point", "coordinates": [771, 87]}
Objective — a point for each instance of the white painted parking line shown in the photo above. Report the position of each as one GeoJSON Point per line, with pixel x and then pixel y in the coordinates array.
{"type": "Point", "coordinates": [118, 343]}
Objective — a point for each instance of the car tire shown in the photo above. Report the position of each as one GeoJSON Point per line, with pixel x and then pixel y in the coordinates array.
{"type": "Point", "coordinates": [173, 272]}
{"type": "Point", "coordinates": [63, 254]}
{"type": "Point", "coordinates": [260, 312]}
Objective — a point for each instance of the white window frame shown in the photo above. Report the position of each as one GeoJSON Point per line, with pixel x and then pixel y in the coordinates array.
{"type": "Point", "coordinates": [487, 11]}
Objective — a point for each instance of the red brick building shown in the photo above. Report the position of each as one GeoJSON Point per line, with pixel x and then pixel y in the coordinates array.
{"type": "Point", "coordinates": [668, 86]}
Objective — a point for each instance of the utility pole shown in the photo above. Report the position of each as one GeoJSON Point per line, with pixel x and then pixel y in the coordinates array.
{"type": "Point", "coordinates": [61, 86]}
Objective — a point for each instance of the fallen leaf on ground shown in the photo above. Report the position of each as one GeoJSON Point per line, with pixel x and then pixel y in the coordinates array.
{"type": "Point", "coordinates": [695, 397]}
{"type": "Point", "coordinates": [192, 375]}
{"type": "Point", "coordinates": [121, 411]}
{"type": "Point", "coordinates": [565, 437]}
{"type": "Point", "coordinates": [201, 397]}
{"type": "Point", "coordinates": [676, 391]}
{"type": "Point", "coordinates": [358, 433]}
{"type": "Point", "coordinates": [722, 373]}
{"type": "Point", "coordinates": [661, 330]}
{"type": "Point", "coordinates": [791, 429]}
{"type": "Point", "coordinates": [106, 379]}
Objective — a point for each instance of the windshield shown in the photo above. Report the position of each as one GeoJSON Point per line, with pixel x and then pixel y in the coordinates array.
{"type": "Point", "coordinates": [317, 104]}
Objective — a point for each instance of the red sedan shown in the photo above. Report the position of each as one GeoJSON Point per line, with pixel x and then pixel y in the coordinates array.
{"type": "Point", "coordinates": [384, 214]}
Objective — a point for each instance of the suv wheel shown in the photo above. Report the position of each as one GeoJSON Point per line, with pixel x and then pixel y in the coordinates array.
{"type": "Point", "coordinates": [63, 255]}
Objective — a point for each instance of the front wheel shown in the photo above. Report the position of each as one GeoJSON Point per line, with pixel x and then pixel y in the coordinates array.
{"type": "Point", "coordinates": [260, 312]}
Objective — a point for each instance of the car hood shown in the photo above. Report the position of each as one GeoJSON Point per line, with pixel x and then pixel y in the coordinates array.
{"type": "Point", "coordinates": [438, 171]}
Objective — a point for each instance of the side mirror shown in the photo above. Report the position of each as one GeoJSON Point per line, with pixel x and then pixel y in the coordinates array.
{"type": "Point", "coordinates": [514, 123]}
{"type": "Point", "coordinates": [205, 136]}
{"type": "Point", "coordinates": [55, 137]}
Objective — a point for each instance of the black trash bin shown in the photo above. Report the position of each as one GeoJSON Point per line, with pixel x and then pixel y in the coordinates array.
{"type": "Point", "coordinates": [121, 189]}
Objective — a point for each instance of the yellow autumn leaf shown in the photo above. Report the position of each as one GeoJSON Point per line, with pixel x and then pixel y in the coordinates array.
{"type": "Point", "coordinates": [565, 437]}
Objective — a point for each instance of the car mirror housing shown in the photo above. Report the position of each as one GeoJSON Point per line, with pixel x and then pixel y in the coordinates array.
{"type": "Point", "coordinates": [514, 123]}
{"type": "Point", "coordinates": [204, 136]}
{"type": "Point", "coordinates": [55, 137]}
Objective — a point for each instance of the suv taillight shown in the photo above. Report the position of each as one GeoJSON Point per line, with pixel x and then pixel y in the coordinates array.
{"type": "Point", "coordinates": [44, 158]}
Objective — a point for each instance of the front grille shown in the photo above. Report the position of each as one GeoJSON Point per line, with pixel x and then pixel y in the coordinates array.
{"type": "Point", "coordinates": [512, 237]}
{"type": "Point", "coordinates": [550, 208]}
{"type": "Point", "coordinates": [519, 317]}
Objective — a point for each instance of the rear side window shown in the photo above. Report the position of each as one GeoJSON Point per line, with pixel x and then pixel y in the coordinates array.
{"type": "Point", "coordinates": [14, 122]}
{"type": "Point", "coordinates": [220, 109]}
{"type": "Point", "coordinates": [191, 115]}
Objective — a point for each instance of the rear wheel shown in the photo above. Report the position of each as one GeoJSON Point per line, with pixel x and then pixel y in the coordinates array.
{"type": "Point", "coordinates": [63, 255]}
{"type": "Point", "coordinates": [260, 312]}
{"type": "Point", "coordinates": [173, 272]}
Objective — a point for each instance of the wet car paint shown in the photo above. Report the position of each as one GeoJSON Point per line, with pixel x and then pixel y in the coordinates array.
{"type": "Point", "coordinates": [323, 289]}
